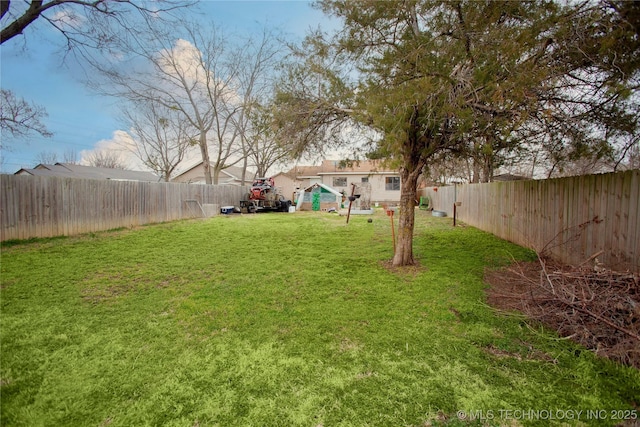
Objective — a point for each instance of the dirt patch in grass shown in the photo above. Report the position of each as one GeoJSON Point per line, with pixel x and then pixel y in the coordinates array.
{"type": "Point", "coordinates": [593, 306]}
{"type": "Point", "coordinates": [108, 285]}
{"type": "Point", "coordinates": [98, 295]}
{"type": "Point", "coordinates": [407, 271]}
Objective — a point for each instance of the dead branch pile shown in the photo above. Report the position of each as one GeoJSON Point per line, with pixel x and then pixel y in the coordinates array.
{"type": "Point", "coordinates": [597, 307]}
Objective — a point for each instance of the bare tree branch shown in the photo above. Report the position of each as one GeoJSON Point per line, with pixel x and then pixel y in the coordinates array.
{"type": "Point", "coordinates": [93, 30]}
{"type": "Point", "coordinates": [18, 118]}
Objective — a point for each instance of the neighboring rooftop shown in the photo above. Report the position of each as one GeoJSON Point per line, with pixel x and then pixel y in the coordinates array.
{"type": "Point", "coordinates": [509, 177]}
{"type": "Point", "coordinates": [228, 175]}
{"type": "Point", "coordinates": [69, 170]}
{"type": "Point", "coordinates": [334, 166]}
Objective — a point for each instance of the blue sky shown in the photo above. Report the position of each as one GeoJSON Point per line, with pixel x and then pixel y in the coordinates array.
{"type": "Point", "coordinates": [32, 68]}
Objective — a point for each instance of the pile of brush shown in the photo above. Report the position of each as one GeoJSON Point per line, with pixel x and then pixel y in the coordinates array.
{"type": "Point", "coordinates": [593, 305]}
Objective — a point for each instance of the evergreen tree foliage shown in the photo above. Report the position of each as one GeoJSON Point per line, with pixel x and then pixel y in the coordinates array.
{"type": "Point", "coordinates": [478, 80]}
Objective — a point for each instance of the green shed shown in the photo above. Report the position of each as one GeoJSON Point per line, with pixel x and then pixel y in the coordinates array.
{"type": "Point", "coordinates": [319, 197]}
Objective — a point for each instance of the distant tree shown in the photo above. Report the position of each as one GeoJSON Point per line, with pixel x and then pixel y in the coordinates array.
{"type": "Point", "coordinates": [161, 136]}
{"type": "Point", "coordinates": [264, 142]}
{"type": "Point", "coordinates": [106, 159]}
{"type": "Point", "coordinates": [212, 81]}
{"type": "Point", "coordinates": [19, 119]}
{"type": "Point", "coordinates": [70, 156]}
{"type": "Point", "coordinates": [51, 157]}
{"type": "Point", "coordinates": [587, 117]}
{"type": "Point", "coordinates": [194, 77]}
{"type": "Point", "coordinates": [260, 59]}
{"type": "Point", "coordinates": [46, 157]}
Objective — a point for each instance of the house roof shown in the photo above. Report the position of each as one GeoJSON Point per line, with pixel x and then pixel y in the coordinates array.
{"type": "Point", "coordinates": [362, 166]}
{"type": "Point", "coordinates": [88, 172]}
{"type": "Point", "coordinates": [335, 167]}
{"type": "Point", "coordinates": [234, 173]}
{"type": "Point", "coordinates": [509, 177]}
{"type": "Point", "coordinates": [305, 171]}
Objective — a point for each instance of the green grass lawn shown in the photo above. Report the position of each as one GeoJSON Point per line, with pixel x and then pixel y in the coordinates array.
{"type": "Point", "coordinates": [281, 320]}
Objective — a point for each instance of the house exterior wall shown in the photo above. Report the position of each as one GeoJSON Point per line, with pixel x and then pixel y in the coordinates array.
{"type": "Point", "coordinates": [231, 176]}
{"type": "Point", "coordinates": [289, 185]}
{"type": "Point", "coordinates": [192, 176]}
{"type": "Point", "coordinates": [330, 173]}
{"type": "Point", "coordinates": [286, 185]}
{"type": "Point", "coordinates": [377, 181]}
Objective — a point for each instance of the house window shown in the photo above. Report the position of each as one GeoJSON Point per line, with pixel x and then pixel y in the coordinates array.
{"type": "Point", "coordinates": [392, 183]}
{"type": "Point", "coordinates": [340, 181]}
{"type": "Point", "coordinates": [365, 179]}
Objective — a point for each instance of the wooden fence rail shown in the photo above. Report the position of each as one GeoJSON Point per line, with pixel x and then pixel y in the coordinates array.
{"type": "Point", "coordinates": [571, 218]}
{"type": "Point", "coordinates": [35, 206]}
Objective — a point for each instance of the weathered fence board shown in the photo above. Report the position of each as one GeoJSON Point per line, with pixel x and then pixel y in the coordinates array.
{"type": "Point", "coordinates": [572, 218]}
{"type": "Point", "coordinates": [35, 206]}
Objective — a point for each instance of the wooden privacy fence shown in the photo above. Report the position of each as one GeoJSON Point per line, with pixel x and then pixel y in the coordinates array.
{"type": "Point", "coordinates": [572, 219]}
{"type": "Point", "coordinates": [36, 206]}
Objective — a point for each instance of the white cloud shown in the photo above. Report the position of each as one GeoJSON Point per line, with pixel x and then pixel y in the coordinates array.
{"type": "Point", "coordinates": [121, 145]}
{"type": "Point", "coordinates": [184, 59]}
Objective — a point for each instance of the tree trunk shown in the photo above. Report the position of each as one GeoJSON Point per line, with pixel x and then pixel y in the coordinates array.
{"type": "Point", "coordinates": [206, 163]}
{"type": "Point", "coordinates": [406, 217]}
{"type": "Point", "coordinates": [244, 171]}
{"type": "Point", "coordinates": [476, 171]}
{"type": "Point", "coordinates": [487, 169]}
{"type": "Point", "coordinates": [413, 163]}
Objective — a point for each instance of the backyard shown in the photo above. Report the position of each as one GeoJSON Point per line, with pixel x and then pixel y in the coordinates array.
{"type": "Point", "coordinates": [284, 320]}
